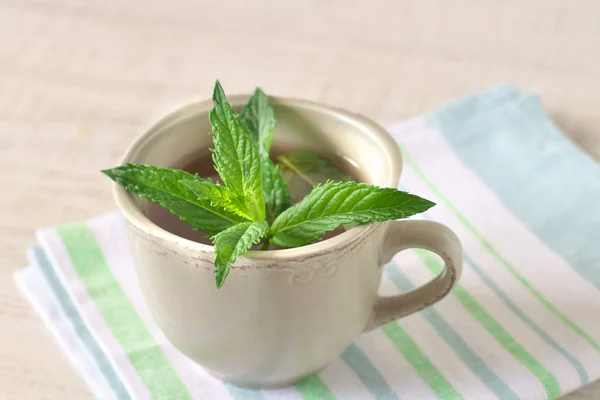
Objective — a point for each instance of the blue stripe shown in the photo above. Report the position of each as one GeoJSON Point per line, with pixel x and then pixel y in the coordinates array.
{"type": "Point", "coordinates": [545, 181]}
{"type": "Point", "coordinates": [368, 373]}
{"type": "Point", "coordinates": [38, 259]}
{"type": "Point", "coordinates": [583, 376]}
{"type": "Point", "coordinates": [241, 393]}
{"type": "Point", "coordinates": [468, 107]}
{"type": "Point", "coordinates": [454, 340]}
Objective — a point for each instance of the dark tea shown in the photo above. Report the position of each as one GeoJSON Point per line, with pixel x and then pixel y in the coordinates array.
{"type": "Point", "coordinates": [203, 166]}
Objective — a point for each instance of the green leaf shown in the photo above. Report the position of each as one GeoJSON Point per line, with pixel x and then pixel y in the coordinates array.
{"type": "Point", "coordinates": [303, 170]}
{"type": "Point", "coordinates": [333, 204]}
{"type": "Point", "coordinates": [236, 157]}
{"type": "Point", "coordinates": [276, 192]}
{"type": "Point", "coordinates": [218, 195]}
{"type": "Point", "coordinates": [260, 119]}
{"type": "Point", "coordinates": [162, 186]}
{"type": "Point", "coordinates": [233, 242]}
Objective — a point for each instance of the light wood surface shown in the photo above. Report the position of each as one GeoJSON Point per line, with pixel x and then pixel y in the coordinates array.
{"type": "Point", "coordinates": [80, 78]}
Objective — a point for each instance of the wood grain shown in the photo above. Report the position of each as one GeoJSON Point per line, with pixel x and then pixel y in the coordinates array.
{"type": "Point", "coordinates": [79, 79]}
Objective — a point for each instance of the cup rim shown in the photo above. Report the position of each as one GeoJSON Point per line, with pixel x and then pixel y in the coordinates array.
{"type": "Point", "coordinates": [134, 215]}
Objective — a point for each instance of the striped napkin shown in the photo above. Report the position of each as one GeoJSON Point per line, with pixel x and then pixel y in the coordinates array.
{"type": "Point", "coordinates": [522, 323]}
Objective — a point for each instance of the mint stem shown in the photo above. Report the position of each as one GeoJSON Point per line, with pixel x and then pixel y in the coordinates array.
{"type": "Point", "coordinates": [265, 245]}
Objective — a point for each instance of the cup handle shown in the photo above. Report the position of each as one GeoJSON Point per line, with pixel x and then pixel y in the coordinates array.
{"type": "Point", "coordinates": [406, 234]}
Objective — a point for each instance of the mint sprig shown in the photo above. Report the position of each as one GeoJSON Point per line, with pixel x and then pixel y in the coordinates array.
{"type": "Point", "coordinates": [260, 119]}
{"type": "Point", "coordinates": [236, 158]}
{"type": "Point", "coordinates": [254, 204]}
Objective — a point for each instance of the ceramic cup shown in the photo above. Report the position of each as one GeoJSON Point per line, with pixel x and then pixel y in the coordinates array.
{"type": "Point", "coordinates": [284, 314]}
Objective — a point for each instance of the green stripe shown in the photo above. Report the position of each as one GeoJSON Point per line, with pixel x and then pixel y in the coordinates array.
{"type": "Point", "coordinates": [454, 340]}
{"type": "Point", "coordinates": [38, 259]}
{"type": "Point", "coordinates": [313, 388]}
{"type": "Point", "coordinates": [551, 385]}
{"type": "Point", "coordinates": [488, 246]}
{"type": "Point", "coordinates": [420, 362]}
{"type": "Point", "coordinates": [119, 314]}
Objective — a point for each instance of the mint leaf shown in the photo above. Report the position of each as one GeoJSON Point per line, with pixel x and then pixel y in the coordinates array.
{"type": "Point", "coordinates": [277, 194]}
{"type": "Point", "coordinates": [233, 242]}
{"type": "Point", "coordinates": [302, 170]}
{"type": "Point", "coordinates": [260, 118]}
{"type": "Point", "coordinates": [217, 195]}
{"type": "Point", "coordinates": [333, 204]}
{"type": "Point", "coordinates": [236, 157]}
{"type": "Point", "coordinates": [162, 186]}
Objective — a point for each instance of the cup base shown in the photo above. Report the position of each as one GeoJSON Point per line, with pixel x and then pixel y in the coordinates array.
{"type": "Point", "coordinates": [266, 384]}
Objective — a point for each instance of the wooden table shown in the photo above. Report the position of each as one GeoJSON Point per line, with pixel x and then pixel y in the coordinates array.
{"type": "Point", "coordinates": [79, 79]}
